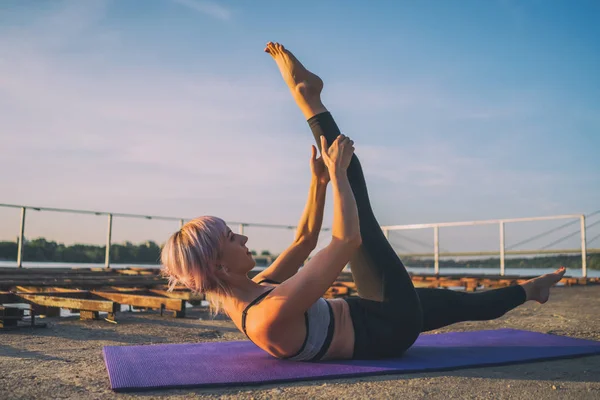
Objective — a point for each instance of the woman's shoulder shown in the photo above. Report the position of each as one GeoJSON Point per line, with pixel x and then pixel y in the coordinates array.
{"type": "Point", "coordinates": [249, 315]}
{"type": "Point", "coordinates": [277, 335]}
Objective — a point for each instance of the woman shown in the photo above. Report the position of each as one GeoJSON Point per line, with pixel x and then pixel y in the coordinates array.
{"type": "Point", "coordinates": [281, 309]}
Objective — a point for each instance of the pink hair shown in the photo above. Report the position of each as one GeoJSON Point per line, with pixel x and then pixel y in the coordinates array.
{"type": "Point", "coordinates": [190, 257]}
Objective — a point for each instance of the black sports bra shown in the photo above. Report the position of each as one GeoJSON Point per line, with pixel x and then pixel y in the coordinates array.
{"type": "Point", "coordinates": [319, 320]}
{"type": "Point", "coordinates": [254, 302]}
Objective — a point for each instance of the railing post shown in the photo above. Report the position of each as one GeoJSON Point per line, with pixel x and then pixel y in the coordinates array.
{"type": "Point", "coordinates": [181, 223]}
{"type": "Point", "coordinates": [436, 249]}
{"type": "Point", "coordinates": [502, 248]}
{"type": "Point", "coordinates": [241, 229]}
{"type": "Point", "coordinates": [108, 237]}
{"type": "Point", "coordinates": [386, 233]}
{"type": "Point", "coordinates": [21, 239]}
{"type": "Point", "coordinates": [583, 249]}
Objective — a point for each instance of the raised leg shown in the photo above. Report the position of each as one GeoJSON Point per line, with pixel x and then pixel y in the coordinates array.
{"type": "Point", "coordinates": [376, 268]}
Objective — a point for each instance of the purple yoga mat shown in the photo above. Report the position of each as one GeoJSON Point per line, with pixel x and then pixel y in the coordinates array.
{"type": "Point", "coordinates": [132, 368]}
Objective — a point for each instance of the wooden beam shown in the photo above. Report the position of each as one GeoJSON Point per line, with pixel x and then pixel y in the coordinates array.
{"type": "Point", "coordinates": [70, 303]}
{"type": "Point", "coordinates": [135, 272]}
{"type": "Point", "coordinates": [178, 294]}
{"type": "Point", "coordinates": [143, 301]}
{"type": "Point", "coordinates": [82, 284]}
{"type": "Point", "coordinates": [48, 289]}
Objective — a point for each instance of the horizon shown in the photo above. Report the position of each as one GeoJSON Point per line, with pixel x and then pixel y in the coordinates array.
{"type": "Point", "coordinates": [483, 111]}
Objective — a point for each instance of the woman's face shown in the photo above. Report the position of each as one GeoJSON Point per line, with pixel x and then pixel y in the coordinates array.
{"type": "Point", "coordinates": [235, 256]}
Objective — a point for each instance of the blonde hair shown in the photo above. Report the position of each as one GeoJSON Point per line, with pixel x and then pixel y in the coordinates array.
{"type": "Point", "coordinates": [190, 257]}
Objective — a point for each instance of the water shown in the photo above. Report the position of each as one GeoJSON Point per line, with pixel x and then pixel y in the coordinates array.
{"type": "Point", "coordinates": [591, 273]}
{"type": "Point", "coordinates": [33, 264]}
{"type": "Point", "coordinates": [418, 270]}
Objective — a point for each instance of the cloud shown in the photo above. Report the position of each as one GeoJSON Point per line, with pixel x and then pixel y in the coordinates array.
{"type": "Point", "coordinates": [207, 7]}
{"type": "Point", "coordinates": [107, 136]}
{"type": "Point", "coordinates": [84, 128]}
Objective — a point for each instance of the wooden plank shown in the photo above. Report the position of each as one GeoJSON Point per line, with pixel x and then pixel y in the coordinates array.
{"type": "Point", "coordinates": [136, 272]}
{"type": "Point", "coordinates": [350, 285]}
{"type": "Point", "coordinates": [4, 271]}
{"type": "Point", "coordinates": [97, 272]}
{"type": "Point", "coordinates": [424, 284]}
{"type": "Point", "coordinates": [75, 294]}
{"type": "Point", "coordinates": [450, 282]}
{"type": "Point", "coordinates": [77, 283]}
{"type": "Point", "coordinates": [80, 271]}
{"type": "Point", "coordinates": [47, 289]}
{"type": "Point", "coordinates": [88, 315]}
{"type": "Point", "coordinates": [70, 303]}
{"type": "Point", "coordinates": [143, 301]}
{"type": "Point", "coordinates": [336, 292]}
{"type": "Point", "coordinates": [178, 294]}
{"type": "Point", "coordinates": [12, 277]}
{"type": "Point", "coordinates": [83, 284]}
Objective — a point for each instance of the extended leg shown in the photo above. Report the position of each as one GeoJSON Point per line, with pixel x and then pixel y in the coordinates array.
{"type": "Point", "coordinates": [377, 271]}
{"type": "Point", "coordinates": [442, 307]}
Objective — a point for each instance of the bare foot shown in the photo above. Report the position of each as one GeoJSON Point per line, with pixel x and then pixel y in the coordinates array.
{"type": "Point", "coordinates": [303, 84]}
{"type": "Point", "coordinates": [538, 289]}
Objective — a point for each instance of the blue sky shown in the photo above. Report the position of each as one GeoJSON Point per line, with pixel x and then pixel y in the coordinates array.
{"type": "Point", "coordinates": [459, 110]}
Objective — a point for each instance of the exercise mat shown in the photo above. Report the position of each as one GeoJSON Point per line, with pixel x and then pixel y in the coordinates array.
{"type": "Point", "coordinates": [147, 367]}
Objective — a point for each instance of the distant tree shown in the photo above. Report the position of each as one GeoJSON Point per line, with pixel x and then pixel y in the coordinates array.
{"type": "Point", "coordinates": [8, 251]}
{"type": "Point", "coordinates": [42, 250]}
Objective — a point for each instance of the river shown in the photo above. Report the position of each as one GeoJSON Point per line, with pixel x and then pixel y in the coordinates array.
{"type": "Point", "coordinates": [417, 270]}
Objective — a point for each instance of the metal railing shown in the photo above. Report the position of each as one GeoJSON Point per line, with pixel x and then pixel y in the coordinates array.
{"type": "Point", "coordinates": [241, 225]}
{"type": "Point", "coordinates": [503, 251]}
{"type": "Point", "coordinates": [386, 229]}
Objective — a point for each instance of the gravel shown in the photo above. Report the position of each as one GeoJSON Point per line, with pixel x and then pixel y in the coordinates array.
{"type": "Point", "coordinates": [64, 360]}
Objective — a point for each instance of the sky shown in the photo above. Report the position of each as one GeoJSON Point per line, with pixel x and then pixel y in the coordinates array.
{"type": "Point", "coordinates": [459, 111]}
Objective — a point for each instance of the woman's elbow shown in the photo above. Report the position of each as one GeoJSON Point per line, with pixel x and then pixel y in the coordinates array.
{"type": "Point", "coordinates": [308, 244]}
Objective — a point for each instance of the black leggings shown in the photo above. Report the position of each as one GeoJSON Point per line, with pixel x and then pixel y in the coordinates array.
{"type": "Point", "coordinates": [390, 313]}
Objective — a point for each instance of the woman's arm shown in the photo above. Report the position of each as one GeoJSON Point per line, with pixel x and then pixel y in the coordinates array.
{"type": "Point", "coordinates": [307, 234]}
{"type": "Point", "coordinates": [299, 292]}
{"type": "Point", "coordinates": [312, 217]}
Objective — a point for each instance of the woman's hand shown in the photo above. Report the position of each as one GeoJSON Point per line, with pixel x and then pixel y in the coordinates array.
{"type": "Point", "coordinates": [337, 156]}
{"type": "Point", "coordinates": [318, 168]}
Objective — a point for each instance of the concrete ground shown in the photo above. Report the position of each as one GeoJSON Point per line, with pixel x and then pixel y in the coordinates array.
{"type": "Point", "coordinates": [64, 360]}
